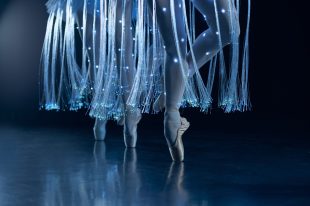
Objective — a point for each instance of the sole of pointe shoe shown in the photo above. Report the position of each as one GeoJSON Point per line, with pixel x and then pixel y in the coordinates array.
{"type": "Point", "coordinates": [177, 150]}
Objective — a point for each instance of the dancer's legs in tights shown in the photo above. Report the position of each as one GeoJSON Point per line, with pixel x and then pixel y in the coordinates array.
{"type": "Point", "coordinates": [124, 52]}
{"type": "Point", "coordinates": [124, 47]}
{"type": "Point", "coordinates": [207, 44]}
{"type": "Point", "coordinates": [92, 45]}
{"type": "Point", "coordinates": [174, 81]}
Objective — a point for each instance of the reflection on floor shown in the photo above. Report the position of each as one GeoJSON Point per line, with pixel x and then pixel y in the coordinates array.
{"type": "Point", "coordinates": [62, 167]}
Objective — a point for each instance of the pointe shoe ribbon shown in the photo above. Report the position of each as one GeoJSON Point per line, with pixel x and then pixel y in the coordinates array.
{"type": "Point", "coordinates": [177, 150]}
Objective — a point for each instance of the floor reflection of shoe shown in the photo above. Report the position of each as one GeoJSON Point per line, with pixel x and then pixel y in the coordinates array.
{"type": "Point", "coordinates": [174, 187]}
{"type": "Point", "coordinates": [130, 128]}
{"type": "Point", "coordinates": [177, 150]}
{"type": "Point", "coordinates": [100, 129]}
{"type": "Point", "coordinates": [99, 152]}
{"type": "Point", "coordinates": [176, 175]}
{"type": "Point", "coordinates": [130, 156]}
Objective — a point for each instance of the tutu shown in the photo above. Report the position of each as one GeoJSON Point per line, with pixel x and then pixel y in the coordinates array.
{"type": "Point", "coordinates": [87, 63]}
{"type": "Point", "coordinates": [75, 5]}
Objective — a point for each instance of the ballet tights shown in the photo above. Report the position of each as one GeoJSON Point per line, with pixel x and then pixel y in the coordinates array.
{"type": "Point", "coordinates": [125, 64]}
{"type": "Point", "coordinates": [174, 81]}
{"type": "Point", "coordinates": [206, 46]}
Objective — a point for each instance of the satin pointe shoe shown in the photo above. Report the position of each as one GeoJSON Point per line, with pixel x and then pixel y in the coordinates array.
{"type": "Point", "coordinates": [132, 118]}
{"type": "Point", "coordinates": [99, 129]}
{"type": "Point", "coordinates": [177, 149]}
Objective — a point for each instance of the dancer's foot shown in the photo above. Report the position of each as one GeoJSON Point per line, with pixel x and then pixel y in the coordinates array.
{"type": "Point", "coordinates": [175, 126]}
{"type": "Point", "coordinates": [177, 150]}
{"type": "Point", "coordinates": [132, 119]}
{"type": "Point", "coordinates": [100, 129]}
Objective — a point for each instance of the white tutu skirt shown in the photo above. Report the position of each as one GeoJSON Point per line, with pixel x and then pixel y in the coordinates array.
{"type": "Point", "coordinates": [79, 67]}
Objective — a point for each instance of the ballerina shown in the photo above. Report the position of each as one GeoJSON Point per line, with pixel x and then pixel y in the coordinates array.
{"type": "Point", "coordinates": [224, 29]}
{"type": "Point", "coordinates": [139, 65]}
{"type": "Point", "coordinates": [102, 80]}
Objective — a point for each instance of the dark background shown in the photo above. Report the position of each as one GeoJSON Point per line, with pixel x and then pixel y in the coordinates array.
{"type": "Point", "coordinates": [279, 71]}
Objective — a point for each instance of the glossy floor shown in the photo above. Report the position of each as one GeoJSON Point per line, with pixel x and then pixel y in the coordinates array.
{"type": "Point", "coordinates": [66, 167]}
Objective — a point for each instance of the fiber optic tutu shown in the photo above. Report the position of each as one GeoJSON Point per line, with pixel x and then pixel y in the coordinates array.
{"type": "Point", "coordinates": [121, 58]}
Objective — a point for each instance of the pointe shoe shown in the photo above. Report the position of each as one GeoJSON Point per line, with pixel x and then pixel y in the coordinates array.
{"type": "Point", "coordinates": [130, 128]}
{"type": "Point", "coordinates": [99, 130]}
{"type": "Point", "coordinates": [177, 150]}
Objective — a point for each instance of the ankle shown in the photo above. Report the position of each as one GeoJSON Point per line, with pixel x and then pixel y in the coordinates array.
{"type": "Point", "coordinates": [172, 114]}
{"type": "Point", "coordinates": [170, 108]}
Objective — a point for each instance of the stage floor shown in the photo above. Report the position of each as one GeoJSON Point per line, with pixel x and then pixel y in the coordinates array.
{"type": "Point", "coordinates": [49, 166]}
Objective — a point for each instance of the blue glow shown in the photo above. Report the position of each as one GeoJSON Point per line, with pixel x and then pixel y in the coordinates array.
{"type": "Point", "coordinates": [110, 70]}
